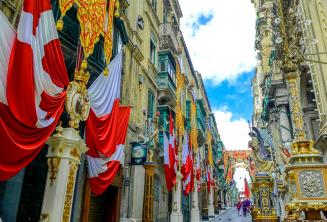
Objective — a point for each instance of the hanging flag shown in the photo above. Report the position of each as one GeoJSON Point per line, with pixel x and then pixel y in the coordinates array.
{"type": "Point", "coordinates": [170, 160]}
{"type": "Point", "coordinates": [187, 167]}
{"type": "Point", "coordinates": [33, 79]}
{"type": "Point", "coordinates": [246, 188]}
{"type": "Point", "coordinates": [186, 157]}
{"type": "Point", "coordinates": [106, 128]}
{"type": "Point", "coordinates": [102, 170]}
{"type": "Point", "coordinates": [168, 172]}
{"type": "Point", "coordinates": [198, 167]}
{"type": "Point", "coordinates": [104, 94]}
{"type": "Point", "coordinates": [173, 154]}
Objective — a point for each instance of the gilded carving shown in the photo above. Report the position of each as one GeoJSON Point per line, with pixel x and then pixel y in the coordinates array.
{"type": "Point", "coordinates": [69, 191]}
{"type": "Point", "coordinates": [77, 100]}
{"type": "Point", "coordinates": [53, 168]}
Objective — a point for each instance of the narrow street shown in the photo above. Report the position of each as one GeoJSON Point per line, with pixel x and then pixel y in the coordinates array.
{"type": "Point", "coordinates": [231, 215]}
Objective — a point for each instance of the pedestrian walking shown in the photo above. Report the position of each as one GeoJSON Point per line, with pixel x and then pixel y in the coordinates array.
{"type": "Point", "coordinates": [246, 204]}
{"type": "Point", "coordinates": [239, 206]}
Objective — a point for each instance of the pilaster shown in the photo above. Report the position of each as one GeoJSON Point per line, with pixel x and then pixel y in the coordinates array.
{"type": "Point", "coordinates": [65, 149]}
{"type": "Point", "coordinates": [177, 215]}
{"type": "Point", "coordinates": [195, 211]}
{"type": "Point", "coordinates": [211, 208]}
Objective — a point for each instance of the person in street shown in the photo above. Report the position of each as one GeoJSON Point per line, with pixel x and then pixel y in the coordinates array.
{"type": "Point", "coordinates": [239, 206]}
{"type": "Point", "coordinates": [246, 204]}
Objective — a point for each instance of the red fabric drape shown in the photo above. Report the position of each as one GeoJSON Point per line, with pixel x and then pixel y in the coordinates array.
{"type": "Point", "coordinates": [100, 183]}
{"type": "Point", "coordinates": [20, 138]}
{"type": "Point", "coordinates": [99, 132]}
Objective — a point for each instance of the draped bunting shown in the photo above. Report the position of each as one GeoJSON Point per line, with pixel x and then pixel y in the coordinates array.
{"type": "Point", "coordinates": [102, 170]}
{"type": "Point", "coordinates": [32, 81]}
{"type": "Point", "coordinates": [106, 128]}
{"type": "Point", "coordinates": [187, 167]}
{"type": "Point", "coordinates": [170, 160]}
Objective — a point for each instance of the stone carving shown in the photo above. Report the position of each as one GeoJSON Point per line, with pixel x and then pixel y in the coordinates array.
{"type": "Point", "coordinates": [312, 184]}
{"type": "Point", "coordinates": [261, 164]}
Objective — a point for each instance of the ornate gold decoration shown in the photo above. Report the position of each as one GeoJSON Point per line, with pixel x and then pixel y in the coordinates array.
{"type": "Point", "coordinates": [53, 167]}
{"type": "Point", "coordinates": [45, 217]}
{"type": "Point", "coordinates": [108, 36]}
{"type": "Point", "coordinates": [69, 191]}
{"type": "Point", "coordinates": [209, 138]}
{"type": "Point", "coordinates": [148, 192]}
{"type": "Point", "coordinates": [91, 15]}
{"type": "Point", "coordinates": [77, 100]}
{"type": "Point", "coordinates": [194, 130]}
{"type": "Point", "coordinates": [64, 6]}
{"type": "Point", "coordinates": [262, 188]}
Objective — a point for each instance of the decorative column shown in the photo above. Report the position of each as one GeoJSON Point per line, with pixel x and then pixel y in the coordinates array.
{"type": "Point", "coordinates": [306, 173]}
{"type": "Point", "coordinates": [64, 153]}
{"type": "Point", "coordinates": [65, 149]}
{"type": "Point", "coordinates": [195, 211]}
{"type": "Point", "coordinates": [177, 215]}
{"type": "Point", "coordinates": [148, 192]}
{"type": "Point", "coordinates": [211, 207]}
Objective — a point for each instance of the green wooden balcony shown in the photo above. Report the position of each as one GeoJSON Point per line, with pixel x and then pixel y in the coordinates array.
{"type": "Point", "coordinates": [166, 79]}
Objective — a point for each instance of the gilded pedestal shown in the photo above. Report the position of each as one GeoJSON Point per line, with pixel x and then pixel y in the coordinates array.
{"type": "Point", "coordinates": [148, 192]}
{"type": "Point", "coordinates": [65, 149]}
{"type": "Point", "coordinates": [262, 188]}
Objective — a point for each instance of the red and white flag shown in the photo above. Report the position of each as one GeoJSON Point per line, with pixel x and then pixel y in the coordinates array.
{"type": "Point", "coordinates": [188, 179]}
{"type": "Point", "coordinates": [186, 157]}
{"type": "Point", "coordinates": [170, 163]}
{"type": "Point", "coordinates": [33, 77]}
{"type": "Point", "coordinates": [198, 167]}
{"type": "Point", "coordinates": [106, 128]}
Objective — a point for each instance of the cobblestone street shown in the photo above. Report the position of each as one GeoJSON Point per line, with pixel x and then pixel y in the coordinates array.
{"type": "Point", "coordinates": [231, 215]}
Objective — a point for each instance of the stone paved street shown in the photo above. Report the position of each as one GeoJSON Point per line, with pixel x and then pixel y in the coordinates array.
{"type": "Point", "coordinates": [231, 216]}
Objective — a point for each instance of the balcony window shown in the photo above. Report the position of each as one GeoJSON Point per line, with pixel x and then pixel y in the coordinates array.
{"type": "Point", "coordinates": [165, 65]}
{"type": "Point", "coordinates": [154, 5]}
{"type": "Point", "coordinates": [153, 49]}
{"type": "Point", "coordinates": [150, 104]}
{"type": "Point", "coordinates": [165, 15]}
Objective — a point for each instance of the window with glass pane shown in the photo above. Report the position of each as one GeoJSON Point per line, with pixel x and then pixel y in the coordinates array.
{"type": "Point", "coordinates": [154, 5]}
{"type": "Point", "coordinates": [165, 15]}
{"type": "Point", "coordinates": [152, 52]}
{"type": "Point", "coordinates": [150, 104]}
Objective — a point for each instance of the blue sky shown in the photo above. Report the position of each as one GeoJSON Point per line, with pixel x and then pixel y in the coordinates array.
{"type": "Point", "coordinates": [221, 45]}
{"type": "Point", "coordinates": [235, 95]}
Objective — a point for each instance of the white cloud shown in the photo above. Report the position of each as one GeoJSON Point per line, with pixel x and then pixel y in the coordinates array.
{"type": "Point", "coordinates": [233, 132]}
{"type": "Point", "coordinates": [223, 48]}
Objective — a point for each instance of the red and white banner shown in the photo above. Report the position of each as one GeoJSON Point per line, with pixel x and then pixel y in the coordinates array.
{"type": "Point", "coordinates": [186, 158]}
{"type": "Point", "coordinates": [188, 179]}
{"type": "Point", "coordinates": [32, 81]}
{"type": "Point", "coordinates": [106, 128]}
{"type": "Point", "coordinates": [170, 161]}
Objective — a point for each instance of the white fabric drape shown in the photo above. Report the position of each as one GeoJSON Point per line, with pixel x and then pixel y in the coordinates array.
{"type": "Point", "coordinates": [106, 89]}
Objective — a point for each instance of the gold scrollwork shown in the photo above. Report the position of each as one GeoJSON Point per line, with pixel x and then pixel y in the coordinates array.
{"type": "Point", "coordinates": [69, 191]}
{"type": "Point", "coordinates": [53, 167]}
